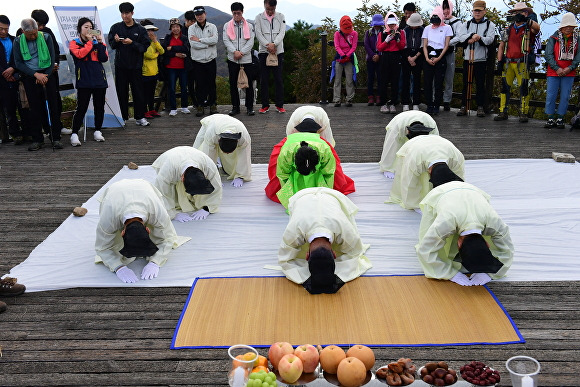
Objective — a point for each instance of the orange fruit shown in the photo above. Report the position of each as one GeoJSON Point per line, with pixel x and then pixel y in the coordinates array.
{"type": "Point", "coordinates": [262, 361]}
{"type": "Point", "coordinates": [260, 368]}
{"type": "Point", "coordinates": [245, 358]}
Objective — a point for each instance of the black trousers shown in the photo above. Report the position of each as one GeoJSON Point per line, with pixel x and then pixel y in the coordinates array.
{"type": "Point", "coordinates": [265, 78]}
{"type": "Point", "coordinates": [407, 71]}
{"type": "Point", "coordinates": [191, 87]}
{"type": "Point", "coordinates": [37, 97]}
{"type": "Point", "coordinates": [125, 78]}
{"type": "Point", "coordinates": [233, 70]}
{"type": "Point", "coordinates": [205, 89]}
{"type": "Point", "coordinates": [434, 75]}
{"type": "Point", "coordinates": [9, 104]}
{"type": "Point", "coordinates": [149, 86]}
{"type": "Point", "coordinates": [479, 76]}
{"type": "Point", "coordinates": [83, 99]}
{"type": "Point", "coordinates": [390, 72]}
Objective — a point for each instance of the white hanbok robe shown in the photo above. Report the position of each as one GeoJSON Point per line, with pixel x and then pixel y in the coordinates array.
{"type": "Point", "coordinates": [320, 117]}
{"type": "Point", "coordinates": [171, 164]}
{"type": "Point", "coordinates": [397, 135]}
{"type": "Point", "coordinates": [235, 164]}
{"type": "Point", "coordinates": [411, 182]}
{"type": "Point", "coordinates": [450, 209]}
{"type": "Point", "coordinates": [131, 197]}
{"type": "Point", "coordinates": [315, 211]}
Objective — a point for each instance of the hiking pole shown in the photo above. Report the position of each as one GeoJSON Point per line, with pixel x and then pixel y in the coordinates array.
{"type": "Point", "coordinates": [48, 115]}
{"type": "Point", "coordinates": [469, 79]}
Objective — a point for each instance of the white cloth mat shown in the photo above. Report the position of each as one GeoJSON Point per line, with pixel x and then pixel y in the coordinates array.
{"type": "Point", "coordinates": [538, 199]}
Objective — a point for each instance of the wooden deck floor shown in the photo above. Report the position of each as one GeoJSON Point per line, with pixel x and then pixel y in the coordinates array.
{"type": "Point", "coordinates": [121, 336]}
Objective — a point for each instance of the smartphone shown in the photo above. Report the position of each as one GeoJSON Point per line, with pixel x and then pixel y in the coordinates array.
{"type": "Point", "coordinates": [94, 32]}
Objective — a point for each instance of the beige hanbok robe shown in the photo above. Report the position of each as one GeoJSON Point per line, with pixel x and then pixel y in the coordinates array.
{"type": "Point", "coordinates": [320, 117]}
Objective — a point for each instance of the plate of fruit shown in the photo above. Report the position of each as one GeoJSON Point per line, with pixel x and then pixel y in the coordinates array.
{"type": "Point", "coordinates": [478, 374]}
{"type": "Point", "coordinates": [438, 374]}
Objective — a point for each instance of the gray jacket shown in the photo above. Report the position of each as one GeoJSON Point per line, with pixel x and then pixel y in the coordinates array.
{"type": "Point", "coordinates": [486, 29]}
{"type": "Point", "coordinates": [239, 43]}
{"type": "Point", "coordinates": [206, 49]}
{"type": "Point", "coordinates": [267, 32]}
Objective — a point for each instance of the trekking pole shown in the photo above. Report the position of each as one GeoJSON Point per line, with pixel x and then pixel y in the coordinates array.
{"type": "Point", "coordinates": [469, 79]}
{"type": "Point", "coordinates": [48, 115]}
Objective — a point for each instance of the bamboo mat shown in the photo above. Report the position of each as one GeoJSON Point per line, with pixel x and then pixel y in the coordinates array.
{"type": "Point", "coordinates": [371, 310]}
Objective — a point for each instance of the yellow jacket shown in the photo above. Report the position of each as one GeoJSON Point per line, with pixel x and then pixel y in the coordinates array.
{"type": "Point", "coordinates": [150, 67]}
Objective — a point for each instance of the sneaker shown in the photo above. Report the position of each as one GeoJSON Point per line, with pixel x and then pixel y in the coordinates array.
{"type": "Point", "coordinates": [18, 140]}
{"type": "Point", "coordinates": [446, 106]}
{"type": "Point", "coordinates": [462, 111]}
{"type": "Point", "coordinates": [384, 109]}
{"type": "Point", "coordinates": [35, 146]}
{"type": "Point", "coordinates": [348, 104]}
{"type": "Point", "coordinates": [371, 100]}
{"type": "Point", "coordinates": [251, 112]}
{"type": "Point", "coordinates": [10, 287]}
{"type": "Point", "coordinates": [173, 113]}
{"type": "Point", "coordinates": [154, 113]}
{"type": "Point", "coordinates": [213, 109]}
{"type": "Point", "coordinates": [264, 110]}
{"type": "Point", "coordinates": [405, 108]}
{"type": "Point", "coordinates": [480, 111]}
{"type": "Point", "coordinates": [378, 100]}
{"type": "Point", "coordinates": [184, 110]}
{"type": "Point", "coordinates": [392, 109]}
{"type": "Point", "coordinates": [416, 107]}
{"type": "Point", "coordinates": [66, 131]}
{"type": "Point", "coordinates": [551, 123]}
{"type": "Point", "coordinates": [74, 140]}
{"type": "Point", "coordinates": [337, 104]}
{"type": "Point", "coordinates": [200, 111]}
{"type": "Point", "coordinates": [560, 124]}
{"type": "Point", "coordinates": [98, 136]}
{"type": "Point", "coordinates": [57, 145]}
{"type": "Point", "coordinates": [501, 117]}
{"type": "Point", "coordinates": [523, 118]}
{"type": "Point", "coordinates": [234, 111]}
{"type": "Point", "coordinates": [148, 115]}
{"type": "Point", "coordinates": [142, 122]}
{"type": "Point", "coordinates": [280, 109]}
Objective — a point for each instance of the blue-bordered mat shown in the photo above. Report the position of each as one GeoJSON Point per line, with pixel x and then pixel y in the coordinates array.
{"type": "Point", "coordinates": [371, 310]}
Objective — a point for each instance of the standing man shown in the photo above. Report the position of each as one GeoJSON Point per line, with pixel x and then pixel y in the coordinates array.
{"type": "Point", "coordinates": [189, 21]}
{"type": "Point", "coordinates": [34, 57]}
{"type": "Point", "coordinates": [454, 23]}
{"type": "Point", "coordinates": [239, 39]}
{"type": "Point", "coordinates": [130, 40]}
{"type": "Point", "coordinates": [513, 52]}
{"type": "Point", "coordinates": [270, 31]}
{"type": "Point", "coordinates": [476, 35]}
{"type": "Point", "coordinates": [9, 82]}
{"type": "Point", "coordinates": [203, 38]}
{"type": "Point", "coordinates": [408, 10]}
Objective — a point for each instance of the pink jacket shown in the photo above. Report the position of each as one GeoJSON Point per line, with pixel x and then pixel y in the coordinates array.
{"type": "Point", "coordinates": [342, 46]}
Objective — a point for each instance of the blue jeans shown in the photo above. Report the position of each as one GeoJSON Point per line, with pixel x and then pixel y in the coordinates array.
{"type": "Point", "coordinates": [172, 75]}
{"type": "Point", "coordinates": [564, 85]}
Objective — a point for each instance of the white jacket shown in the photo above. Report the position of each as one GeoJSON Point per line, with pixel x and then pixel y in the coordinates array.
{"type": "Point", "coordinates": [267, 32]}
{"type": "Point", "coordinates": [206, 49]}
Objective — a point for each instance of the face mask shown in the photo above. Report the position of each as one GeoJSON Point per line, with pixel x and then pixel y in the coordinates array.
{"type": "Point", "coordinates": [435, 20]}
{"type": "Point", "coordinates": [520, 18]}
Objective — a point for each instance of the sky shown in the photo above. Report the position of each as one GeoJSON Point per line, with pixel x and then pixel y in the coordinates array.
{"type": "Point", "coordinates": [17, 11]}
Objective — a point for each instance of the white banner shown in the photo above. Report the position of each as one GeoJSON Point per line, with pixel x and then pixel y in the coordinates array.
{"type": "Point", "coordinates": [67, 19]}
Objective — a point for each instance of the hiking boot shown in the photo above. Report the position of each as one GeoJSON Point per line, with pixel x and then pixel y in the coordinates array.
{"type": "Point", "coordinates": [371, 100]}
{"type": "Point", "coordinates": [264, 110]}
{"type": "Point", "coordinates": [523, 118]}
{"type": "Point", "coordinates": [74, 140]}
{"type": "Point", "coordinates": [551, 123]}
{"type": "Point", "coordinates": [480, 111]}
{"type": "Point", "coordinates": [18, 140]}
{"type": "Point", "coordinates": [3, 307]}
{"type": "Point", "coordinates": [435, 110]}
{"type": "Point", "coordinates": [200, 111]}
{"type": "Point", "coordinates": [501, 117]}
{"type": "Point", "coordinates": [560, 124]}
{"type": "Point", "coordinates": [57, 145]}
{"type": "Point", "coordinates": [35, 146]}
{"type": "Point", "coordinates": [446, 106]}
{"type": "Point", "coordinates": [213, 109]}
{"type": "Point", "coordinates": [462, 111]}
{"type": "Point", "coordinates": [10, 287]}
{"type": "Point", "coordinates": [234, 111]}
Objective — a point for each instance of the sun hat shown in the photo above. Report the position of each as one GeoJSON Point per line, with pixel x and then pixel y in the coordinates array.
{"type": "Point", "coordinates": [521, 7]}
{"type": "Point", "coordinates": [479, 5]}
{"type": "Point", "coordinates": [568, 20]}
{"type": "Point", "coordinates": [377, 20]}
{"type": "Point", "coordinates": [174, 20]}
{"type": "Point", "coordinates": [415, 20]}
{"type": "Point", "coordinates": [148, 24]}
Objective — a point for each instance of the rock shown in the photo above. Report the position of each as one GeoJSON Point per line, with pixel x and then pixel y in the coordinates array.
{"type": "Point", "coordinates": [132, 165]}
{"type": "Point", "coordinates": [80, 211]}
{"type": "Point", "coordinates": [563, 157]}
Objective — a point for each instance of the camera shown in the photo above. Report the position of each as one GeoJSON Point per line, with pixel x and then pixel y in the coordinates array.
{"type": "Point", "coordinates": [510, 18]}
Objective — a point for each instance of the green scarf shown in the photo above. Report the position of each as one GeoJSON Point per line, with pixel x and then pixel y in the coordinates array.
{"type": "Point", "coordinates": [44, 60]}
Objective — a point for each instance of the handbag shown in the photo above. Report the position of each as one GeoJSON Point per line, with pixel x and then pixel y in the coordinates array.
{"type": "Point", "coordinates": [272, 60]}
{"type": "Point", "coordinates": [242, 79]}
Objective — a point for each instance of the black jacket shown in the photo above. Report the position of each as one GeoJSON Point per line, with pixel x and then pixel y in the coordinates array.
{"type": "Point", "coordinates": [414, 41]}
{"type": "Point", "coordinates": [129, 56]}
{"type": "Point", "coordinates": [185, 48]}
{"type": "Point", "coordinates": [4, 65]}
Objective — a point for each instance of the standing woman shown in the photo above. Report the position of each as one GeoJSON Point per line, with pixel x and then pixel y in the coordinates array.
{"type": "Point", "coordinates": [151, 68]}
{"type": "Point", "coordinates": [177, 62]}
{"type": "Point", "coordinates": [89, 52]}
{"type": "Point", "coordinates": [391, 42]}
{"type": "Point", "coordinates": [345, 42]}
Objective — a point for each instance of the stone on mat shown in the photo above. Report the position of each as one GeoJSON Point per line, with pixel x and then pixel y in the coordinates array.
{"type": "Point", "coordinates": [80, 211]}
{"type": "Point", "coordinates": [563, 157]}
{"type": "Point", "coordinates": [132, 165]}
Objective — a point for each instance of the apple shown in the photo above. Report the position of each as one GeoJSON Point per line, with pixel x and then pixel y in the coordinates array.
{"type": "Point", "coordinates": [351, 372]}
{"type": "Point", "coordinates": [309, 356]}
{"type": "Point", "coordinates": [364, 354]}
{"type": "Point", "coordinates": [277, 351]}
{"type": "Point", "coordinates": [290, 368]}
{"type": "Point", "coordinates": [330, 357]}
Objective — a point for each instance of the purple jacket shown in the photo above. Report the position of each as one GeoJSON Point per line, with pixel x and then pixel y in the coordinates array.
{"type": "Point", "coordinates": [370, 42]}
